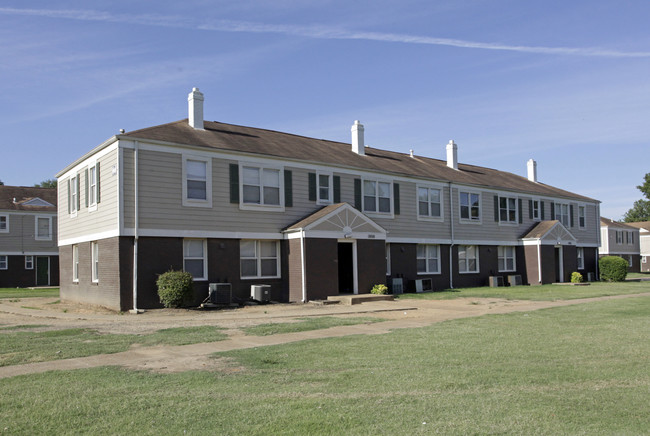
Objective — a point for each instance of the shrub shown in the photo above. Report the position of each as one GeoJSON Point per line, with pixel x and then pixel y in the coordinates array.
{"type": "Point", "coordinates": [612, 268]}
{"type": "Point", "coordinates": [576, 277]}
{"type": "Point", "coordinates": [379, 290]}
{"type": "Point", "coordinates": [175, 288]}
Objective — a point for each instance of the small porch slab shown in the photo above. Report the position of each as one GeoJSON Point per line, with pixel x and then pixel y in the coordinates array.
{"type": "Point", "coordinates": [349, 300]}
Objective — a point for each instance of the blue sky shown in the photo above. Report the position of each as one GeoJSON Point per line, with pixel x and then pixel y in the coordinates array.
{"type": "Point", "coordinates": [563, 82]}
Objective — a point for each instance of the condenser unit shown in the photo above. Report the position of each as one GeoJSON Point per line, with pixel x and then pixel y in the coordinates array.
{"type": "Point", "coordinates": [515, 280]}
{"type": "Point", "coordinates": [397, 286]}
{"type": "Point", "coordinates": [220, 293]}
{"type": "Point", "coordinates": [423, 285]}
{"type": "Point", "coordinates": [261, 293]}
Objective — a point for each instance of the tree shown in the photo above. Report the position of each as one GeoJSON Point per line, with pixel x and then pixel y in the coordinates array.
{"type": "Point", "coordinates": [1, 183]}
{"type": "Point", "coordinates": [641, 209]}
{"type": "Point", "coordinates": [49, 183]}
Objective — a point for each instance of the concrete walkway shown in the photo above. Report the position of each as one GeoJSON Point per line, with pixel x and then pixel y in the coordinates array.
{"type": "Point", "coordinates": [406, 314]}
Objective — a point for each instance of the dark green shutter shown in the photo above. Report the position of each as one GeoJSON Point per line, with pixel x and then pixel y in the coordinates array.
{"type": "Point", "coordinates": [288, 189]}
{"type": "Point", "coordinates": [396, 194]}
{"type": "Point", "coordinates": [312, 186]}
{"type": "Point", "coordinates": [78, 191]}
{"type": "Point", "coordinates": [541, 210]}
{"type": "Point", "coordinates": [530, 209]}
{"type": "Point", "coordinates": [97, 183]}
{"type": "Point", "coordinates": [69, 199]}
{"type": "Point", "coordinates": [337, 189]}
{"type": "Point", "coordinates": [86, 177]}
{"type": "Point", "coordinates": [552, 210]}
{"type": "Point", "coordinates": [571, 215]}
{"type": "Point", "coordinates": [234, 183]}
{"type": "Point", "coordinates": [496, 208]}
{"type": "Point", "coordinates": [521, 215]}
{"type": "Point", "coordinates": [357, 194]}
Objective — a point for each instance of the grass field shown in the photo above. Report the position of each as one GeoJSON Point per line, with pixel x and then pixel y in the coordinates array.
{"type": "Point", "coordinates": [541, 293]}
{"type": "Point", "coordinates": [27, 293]}
{"type": "Point", "coordinates": [580, 369]}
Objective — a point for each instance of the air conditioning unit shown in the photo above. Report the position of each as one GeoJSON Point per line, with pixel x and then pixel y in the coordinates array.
{"type": "Point", "coordinates": [495, 281]}
{"type": "Point", "coordinates": [423, 285]}
{"type": "Point", "coordinates": [591, 277]}
{"type": "Point", "coordinates": [261, 293]}
{"type": "Point", "coordinates": [397, 286]}
{"type": "Point", "coordinates": [515, 280]}
{"type": "Point", "coordinates": [220, 293]}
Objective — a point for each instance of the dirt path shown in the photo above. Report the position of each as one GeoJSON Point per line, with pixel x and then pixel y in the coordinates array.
{"type": "Point", "coordinates": [399, 314]}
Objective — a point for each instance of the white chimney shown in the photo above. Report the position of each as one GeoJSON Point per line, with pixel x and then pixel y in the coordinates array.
{"type": "Point", "coordinates": [532, 170]}
{"type": "Point", "coordinates": [357, 138]}
{"type": "Point", "coordinates": [452, 155]}
{"type": "Point", "coordinates": [195, 108]}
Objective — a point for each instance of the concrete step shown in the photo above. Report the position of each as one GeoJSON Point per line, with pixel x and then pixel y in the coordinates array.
{"type": "Point", "coordinates": [359, 298]}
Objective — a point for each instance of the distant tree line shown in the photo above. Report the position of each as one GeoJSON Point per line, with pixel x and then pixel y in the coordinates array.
{"type": "Point", "coordinates": [641, 209]}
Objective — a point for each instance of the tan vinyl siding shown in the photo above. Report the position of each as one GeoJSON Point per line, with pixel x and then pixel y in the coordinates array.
{"type": "Point", "coordinates": [89, 222]}
{"type": "Point", "coordinates": [21, 236]}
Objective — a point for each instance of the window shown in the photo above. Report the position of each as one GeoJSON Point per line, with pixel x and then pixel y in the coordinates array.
{"type": "Point", "coordinates": [507, 260]}
{"type": "Point", "coordinates": [261, 186]}
{"type": "Point", "coordinates": [29, 262]}
{"type": "Point", "coordinates": [387, 259]}
{"type": "Point", "coordinates": [581, 258]}
{"type": "Point", "coordinates": [630, 238]}
{"type": "Point", "coordinates": [4, 223]}
{"type": "Point", "coordinates": [507, 210]}
{"type": "Point", "coordinates": [470, 206]}
{"type": "Point", "coordinates": [259, 259]}
{"type": "Point", "coordinates": [94, 254]}
{"type": "Point", "coordinates": [429, 202]}
{"type": "Point", "coordinates": [92, 181]}
{"type": "Point", "coordinates": [428, 259]}
{"type": "Point", "coordinates": [535, 210]}
{"type": "Point", "coordinates": [619, 237]}
{"type": "Point", "coordinates": [43, 228]}
{"type": "Point", "coordinates": [582, 217]}
{"type": "Point", "coordinates": [75, 263]}
{"type": "Point", "coordinates": [194, 258]}
{"type": "Point", "coordinates": [629, 261]}
{"type": "Point", "coordinates": [467, 259]}
{"type": "Point", "coordinates": [324, 189]}
{"type": "Point", "coordinates": [74, 194]}
{"type": "Point", "coordinates": [197, 181]}
{"type": "Point", "coordinates": [4, 262]}
{"type": "Point", "coordinates": [562, 214]}
{"type": "Point", "coordinates": [376, 196]}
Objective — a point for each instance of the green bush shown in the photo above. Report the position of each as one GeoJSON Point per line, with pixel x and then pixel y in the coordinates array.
{"type": "Point", "coordinates": [612, 268]}
{"type": "Point", "coordinates": [379, 290]}
{"type": "Point", "coordinates": [576, 277]}
{"type": "Point", "coordinates": [175, 288]}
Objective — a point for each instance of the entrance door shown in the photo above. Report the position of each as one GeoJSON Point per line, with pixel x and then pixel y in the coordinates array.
{"type": "Point", "coordinates": [42, 271]}
{"type": "Point", "coordinates": [559, 270]}
{"type": "Point", "coordinates": [346, 268]}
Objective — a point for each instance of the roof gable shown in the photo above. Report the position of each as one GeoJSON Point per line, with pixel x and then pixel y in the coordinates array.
{"type": "Point", "coordinates": [339, 221]}
{"type": "Point", "coordinates": [28, 198]}
{"type": "Point", "coordinates": [550, 232]}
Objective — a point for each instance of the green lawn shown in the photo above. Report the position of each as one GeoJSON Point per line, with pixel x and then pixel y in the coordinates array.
{"type": "Point", "coordinates": [582, 369]}
{"type": "Point", "coordinates": [26, 293]}
{"type": "Point", "coordinates": [305, 324]}
{"type": "Point", "coordinates": [544, 292]}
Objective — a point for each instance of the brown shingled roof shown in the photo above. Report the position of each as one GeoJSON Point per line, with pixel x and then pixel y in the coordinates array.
{"type": "Point", "coordinates": [23, 194]}
{"type": "Point", "coordinates": [230, 137]}
{"type": "Point", "coordinates": [615, 224]}
{"type": "Point", "coordinates": [642, 225]}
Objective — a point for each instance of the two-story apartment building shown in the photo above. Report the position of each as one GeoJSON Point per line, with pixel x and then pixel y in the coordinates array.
{"type": "Point", "coordinates": [620, 239]}
{"type": "Point", "coordinates": [309, 217]}
{"type": "Point", "coordinates": [644, 244]}
{"type": "Point", "coordinates": [29, 255]}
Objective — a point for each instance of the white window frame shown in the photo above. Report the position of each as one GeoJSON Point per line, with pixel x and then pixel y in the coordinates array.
{"type": "Point", "coordinates": [203, 257]}
{"type": "Point", "coordinates": [619, 236]}
{"type": "Point", "coordinates": [582, 217]}
{"type": "Point", "coordinates": [466, 270]}
{"type": "Point", "coordinates": [29, 262]}
{"type": "Point", "coordinates": [330, 190]}
{"type": "Point", "coordinates": [6, 223]}
{"type": "Point", "coordinates": [503, 258]}
{"type": "Point", "coordinates": [536, 208]}
{"type": "Point", "coordinates": [377, 198]}
{"type": "Point", "coordinates": [559, 215]}
{"type": "Point", "coordinates": [469, 219]}
{"type": "Point", "coordinates": [508, 210]}
{"type": "Point", "coordinates": [92, 187]}
{"type": "Point", "coordinates": [429, 216]}
{"type": "Point", "coordinates": [49, 228]}
{"type": "Point", "coordinates": [429, 250]}
{"type": "Point", "coordinates": [74, 195]}
{"type": "Point", "coordinates": [75, 263]}
{"type": "Point", "coordinates": [258, 258]}
{"type": "Point", "coordinates": [630, 238]}
{"type": "Point", "coordinates": [581, 257]}
{"type": "Point", "coordinates": [94, 261]}
{"type": "Point", "coordinates": [4, 262]}
{"type": "Point", "coordinates": [243, 205]}
{"type": "Point", "coordinates": [630, 260]}
{"type": "Point", "coordinates": [198, 202]}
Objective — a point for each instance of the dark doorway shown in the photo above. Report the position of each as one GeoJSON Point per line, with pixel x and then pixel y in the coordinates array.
{"type": "Point", "coordinates": [42, 271]}
{"type": "Point", "coordinates": [558, 264]}
{"type": "Point", "coordinates": [346, 272]}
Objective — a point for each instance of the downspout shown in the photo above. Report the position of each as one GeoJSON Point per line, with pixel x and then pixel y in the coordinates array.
{"type": "Point", "coordinates": [539, 260]}
{"type": "Point", "coordinates": [135, 229]}
{"type": "Point", "coordinates": [302, 265]}
{"type": "Point", "coordinates": [597, 278]}
{"type": "Point", "coordinates": [451, 245]}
